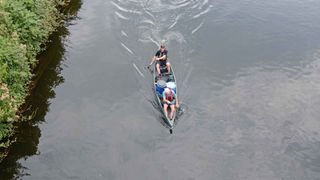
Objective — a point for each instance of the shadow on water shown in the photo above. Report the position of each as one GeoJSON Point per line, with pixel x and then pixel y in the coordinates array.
{"type": "Point", "coordinates": [47, 78]}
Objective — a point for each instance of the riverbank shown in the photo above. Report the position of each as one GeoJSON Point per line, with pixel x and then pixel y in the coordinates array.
{"type": "Point", "coordinates": [25, 27]}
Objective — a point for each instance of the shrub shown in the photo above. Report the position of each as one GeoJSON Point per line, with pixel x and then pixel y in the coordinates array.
{"type": "Point", "coordinates": [25, 26]}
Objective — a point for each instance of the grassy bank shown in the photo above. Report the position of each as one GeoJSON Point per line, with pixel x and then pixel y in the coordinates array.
{"type": "Point", "coordinates": [25, 26]}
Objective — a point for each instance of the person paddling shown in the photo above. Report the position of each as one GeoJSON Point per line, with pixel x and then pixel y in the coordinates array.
{"type": "Point", "coordinates": [169, 99]}
{"type": "Point", "coordinates": [161, 57]}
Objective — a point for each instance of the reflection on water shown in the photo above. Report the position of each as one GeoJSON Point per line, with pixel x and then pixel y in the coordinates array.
{"type": "Point", "coordinates": [251, 84]}
{"type": "Point", "coordinates": [248, 71]}
{"type": "Point", "coordinates": [266, 120]}
{"type": "Point", "coordinates": [47, 77]}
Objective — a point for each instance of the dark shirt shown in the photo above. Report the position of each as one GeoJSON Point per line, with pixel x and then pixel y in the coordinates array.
{"type": "Point", "coordinates": [160, 54]}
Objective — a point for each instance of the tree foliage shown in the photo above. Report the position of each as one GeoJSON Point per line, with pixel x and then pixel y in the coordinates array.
{"type": "Point", "coordinates": [25, 26]}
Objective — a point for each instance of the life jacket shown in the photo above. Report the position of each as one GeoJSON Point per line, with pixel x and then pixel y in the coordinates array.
{"type": "Point", "coordinates": [169, 95]}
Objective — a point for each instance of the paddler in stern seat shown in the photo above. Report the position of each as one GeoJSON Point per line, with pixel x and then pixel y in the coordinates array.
{"type": "Point", "coordinates": [161, 57]}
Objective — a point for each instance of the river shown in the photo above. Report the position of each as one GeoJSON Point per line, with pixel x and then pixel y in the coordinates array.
{"type": "Point", "coordinates": [248, 75]}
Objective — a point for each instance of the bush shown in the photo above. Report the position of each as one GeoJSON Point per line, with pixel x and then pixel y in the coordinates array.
{"type": "Point", "coordinates": [32, 21]}
{"type": "Point", "coordinates": [25, 26]}
{"type": "Point", "coordinates": [5, 130]}
{"type": "Point", "coordinates": [14, 69]}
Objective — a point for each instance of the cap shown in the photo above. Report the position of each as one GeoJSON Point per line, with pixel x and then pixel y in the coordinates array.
{"type": "Point", "coordinates": [162, 43]}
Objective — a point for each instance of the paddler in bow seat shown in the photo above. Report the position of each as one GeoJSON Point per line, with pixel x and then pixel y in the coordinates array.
{"type": "Point", "coordinates": [161, 57]}
{"type": "Point", "coordinates": [169, 99]}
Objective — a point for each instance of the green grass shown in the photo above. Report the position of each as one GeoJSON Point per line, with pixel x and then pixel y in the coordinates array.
{"type": "Point", "coordinates": [25, 26]}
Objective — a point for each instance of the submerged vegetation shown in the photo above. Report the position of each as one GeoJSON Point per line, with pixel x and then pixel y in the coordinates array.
{"type": "Point", "coordinates": [25, 26]}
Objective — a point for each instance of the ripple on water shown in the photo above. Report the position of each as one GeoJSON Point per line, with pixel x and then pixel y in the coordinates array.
{"type": "Point", "coordinates": [158, 18]}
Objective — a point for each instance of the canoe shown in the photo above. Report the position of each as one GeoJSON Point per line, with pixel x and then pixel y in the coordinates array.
{"type": "Point", "coordinates": [167, 78]}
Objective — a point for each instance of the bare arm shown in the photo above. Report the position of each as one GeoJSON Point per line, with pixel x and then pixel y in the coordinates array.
{"type": "Point", "coordinates": [163, 58]}
{"type": "Point", "coordinates": [164, 97]}
{"type": "Point", "coordinates": [152, 60]}
{"type": "Point", "coordinates": [177, 102]}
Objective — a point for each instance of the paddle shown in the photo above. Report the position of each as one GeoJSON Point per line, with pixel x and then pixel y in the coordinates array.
{"type": "Point", "coordinates": [148, 66]}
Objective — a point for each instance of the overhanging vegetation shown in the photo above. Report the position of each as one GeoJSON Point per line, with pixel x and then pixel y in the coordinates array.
{"type": "Point", "coordinates": [25, 26]}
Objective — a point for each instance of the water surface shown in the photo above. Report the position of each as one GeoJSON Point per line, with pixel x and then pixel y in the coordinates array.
{"type": "Point", "coordinates": [248, 75]}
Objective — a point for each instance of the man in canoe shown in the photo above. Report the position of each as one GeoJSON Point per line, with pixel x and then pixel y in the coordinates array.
{"type": "Point", "coordinates": [161, 57]}
{"type": "Point", "coordinates": [169, 99]}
